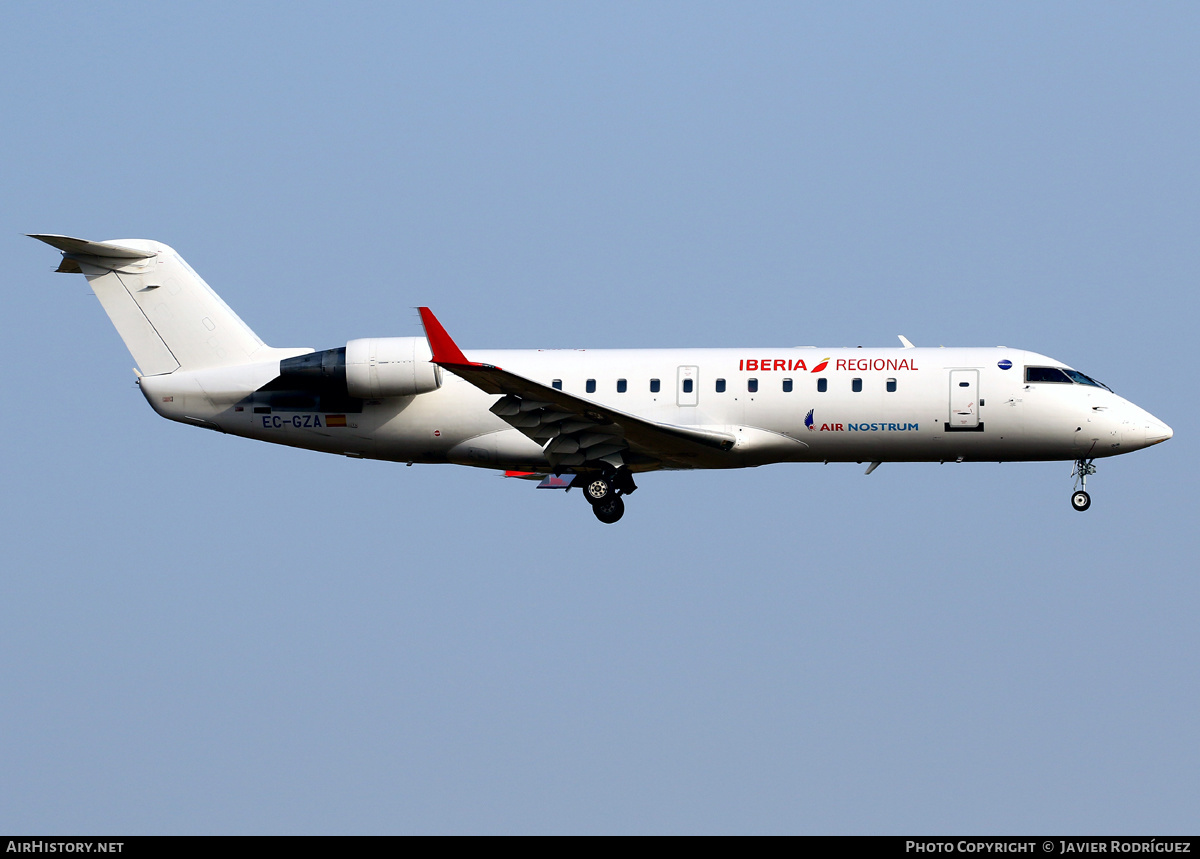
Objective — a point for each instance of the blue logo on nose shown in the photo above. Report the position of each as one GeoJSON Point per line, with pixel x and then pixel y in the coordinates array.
{"type": "Point", "coordinates": [1005, 364]}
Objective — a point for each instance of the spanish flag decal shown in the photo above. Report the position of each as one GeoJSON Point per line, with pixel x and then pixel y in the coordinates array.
{"type": "Point", "coordinates": [335, 420]}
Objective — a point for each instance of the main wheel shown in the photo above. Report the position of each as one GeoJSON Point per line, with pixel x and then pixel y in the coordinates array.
{"type": "Point", "coordinates": [609, 510]}
{"type": "Point", "coordinates": [597, 490]}
{"type": "Point", "coordinates": [1081, 501]}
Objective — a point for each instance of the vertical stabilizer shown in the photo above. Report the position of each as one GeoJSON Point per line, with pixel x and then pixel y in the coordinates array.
{"type": "Point", "coordinates": [167, 315]}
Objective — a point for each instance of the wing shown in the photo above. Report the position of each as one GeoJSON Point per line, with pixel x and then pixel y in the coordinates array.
{"type": "Point", "coordinates": [576, 433]}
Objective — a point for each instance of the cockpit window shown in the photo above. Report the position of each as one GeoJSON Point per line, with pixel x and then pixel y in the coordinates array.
{"type": "Point", "coordinates": [1061, 375]}
{"type": "Point", "coordinates": [1081, 379]}
{"type": "Point", "coordinates": [1046, 374]}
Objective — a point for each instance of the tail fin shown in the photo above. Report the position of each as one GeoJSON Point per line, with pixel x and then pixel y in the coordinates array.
{"type": "Point", "coordinates": [169, 318]}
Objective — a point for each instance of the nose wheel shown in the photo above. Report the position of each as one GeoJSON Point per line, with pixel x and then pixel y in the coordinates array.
{"type": "Point", "coordinates": [1080, 499]}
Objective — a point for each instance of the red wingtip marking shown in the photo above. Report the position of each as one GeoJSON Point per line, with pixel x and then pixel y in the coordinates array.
{"type": "Point", "coordinates": [445, 350]}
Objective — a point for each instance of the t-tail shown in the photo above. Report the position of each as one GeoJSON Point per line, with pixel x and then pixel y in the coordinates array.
{"type": "Point", "coordinates": [169, 318]}
{"type": "Point", "coordinates": [194, 355]}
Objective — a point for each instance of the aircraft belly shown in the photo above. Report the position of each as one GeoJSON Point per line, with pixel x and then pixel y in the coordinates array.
{"type": "Point", "coordinates": [890, 445]}
{"type": "Point", "coordinates": [428, 428]}
{"type": "Point", "coordinates": [509, 449]}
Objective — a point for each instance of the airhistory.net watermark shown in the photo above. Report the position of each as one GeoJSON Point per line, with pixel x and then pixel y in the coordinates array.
{"type": "Point", "coordinates": [38, 845]}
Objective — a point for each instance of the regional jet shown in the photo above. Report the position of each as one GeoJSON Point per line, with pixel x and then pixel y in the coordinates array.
{"type": "Point", "coordinates": [593, 419]}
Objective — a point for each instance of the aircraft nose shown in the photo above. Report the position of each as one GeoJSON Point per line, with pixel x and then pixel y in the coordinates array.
{"type": "Point", "coordinates": [1157, 431]}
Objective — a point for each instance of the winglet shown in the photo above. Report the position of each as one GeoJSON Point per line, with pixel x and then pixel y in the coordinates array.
{"type": "Point", "coordinates": [905, 341]}
{"type": "Point", "coordinates": [444, 349]}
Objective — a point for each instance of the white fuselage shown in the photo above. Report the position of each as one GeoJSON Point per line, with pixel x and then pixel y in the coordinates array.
{"type": "Point", "coordinates": [912, 404]}
{"type": "Point", "coordinates": [598, 416]}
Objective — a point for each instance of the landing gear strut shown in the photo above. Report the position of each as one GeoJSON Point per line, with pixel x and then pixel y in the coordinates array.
{"type": "Point", "coordinates": [603, 492]}
{"type": "Point", "coordinates": [1080, 500]}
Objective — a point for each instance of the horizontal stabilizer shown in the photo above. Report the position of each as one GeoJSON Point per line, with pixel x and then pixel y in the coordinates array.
{"type": "Point", "coordinates": [69, 245]}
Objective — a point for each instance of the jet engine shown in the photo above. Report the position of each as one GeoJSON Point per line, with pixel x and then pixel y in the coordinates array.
{"type": "Point", "coordinates": [368, 368]}
{"type": "Point", "coordinates": [379, 367]}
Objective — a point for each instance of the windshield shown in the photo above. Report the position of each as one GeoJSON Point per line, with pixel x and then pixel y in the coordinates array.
{"type": "Point", "coordinates": [1061, 375]}
{"type": "Point", "coordinates": [1078, 377]}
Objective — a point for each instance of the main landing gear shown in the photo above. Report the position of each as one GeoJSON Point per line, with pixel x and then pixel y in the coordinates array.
{"type": "Point", "coordinates": [1080, 500]}
{"type": "Point", "coordinates": [604, 490]}
{"type": "Point", "coordinates": [609, 510]}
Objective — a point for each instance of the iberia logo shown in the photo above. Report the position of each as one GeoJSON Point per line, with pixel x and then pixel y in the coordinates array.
{"type": "Point", "coordinates": [817, 369]}
{"type": "Point", "coordinates": [808, 420]}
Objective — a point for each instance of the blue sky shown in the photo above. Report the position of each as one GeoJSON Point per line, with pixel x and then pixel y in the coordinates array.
{"type": "Point", "coordinates": [208, 634]}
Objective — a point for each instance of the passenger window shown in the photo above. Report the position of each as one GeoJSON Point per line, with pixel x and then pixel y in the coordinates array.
{"type": "Point", "coordinates": [622, 385]}
{"type": "Point", "coordinates": [752, 385]}
{"type": "Point", "coordinates": [856, 386]}
{"type": "Point", "coordinates": [687, 386]}
{"type": "Point", "coordinates": [720, 386]}
{"type": "Point", "coordinates": [591, 386]}
{"type": "Point", "coordinates": [787, 386]}
{"type": "Point", "coordinates": [822, 385]}
{"type": "Point", "coordinates": [557, 384]}
{"type": "Point", "coordinates": [891, 386]}
{"type": "Point", "coordinates": [964, 384]}
{"type": "Point", "coordinates": [655, 385]}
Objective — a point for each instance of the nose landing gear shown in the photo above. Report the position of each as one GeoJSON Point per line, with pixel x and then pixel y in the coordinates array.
{"type": "Point", "coordinates": [1080, 499]}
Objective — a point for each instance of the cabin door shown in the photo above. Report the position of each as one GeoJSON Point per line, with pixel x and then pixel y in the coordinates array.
{"type": "Point", "coordinates": [964, 399]}
{"type": "Point", "coordinates": [687, 386]}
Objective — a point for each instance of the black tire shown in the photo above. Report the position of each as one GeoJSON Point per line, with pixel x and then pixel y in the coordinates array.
{"type": "Point", "coordinates": [609, 510]}
{"type": "Point", "coordinates": [597, 490]}
{"type": "Point", "coordinates": [1081, 501]}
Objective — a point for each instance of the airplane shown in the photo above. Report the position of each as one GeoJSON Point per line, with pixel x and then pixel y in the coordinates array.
{"type": "Point", "coordinates": [593, 419]}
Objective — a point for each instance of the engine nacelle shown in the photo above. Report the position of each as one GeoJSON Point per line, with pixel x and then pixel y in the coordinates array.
{"type": "Point", "coordinates": [378, 367]}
